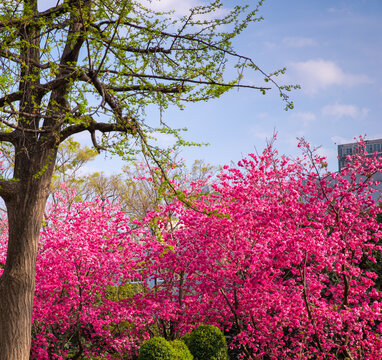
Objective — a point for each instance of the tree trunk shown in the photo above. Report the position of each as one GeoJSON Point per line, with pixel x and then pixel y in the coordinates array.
{"type": "Point", "coordinates": [35, 157]}
{"type": "Point", "coordinates": [25, 209]}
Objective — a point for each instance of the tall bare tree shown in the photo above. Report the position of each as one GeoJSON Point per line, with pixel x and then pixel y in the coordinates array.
{"type": "Point", "coordinates": [93, 66]}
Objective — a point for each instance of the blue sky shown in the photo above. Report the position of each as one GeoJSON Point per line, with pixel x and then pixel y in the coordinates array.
{"type": "Point", "coordinates": [333, 49]}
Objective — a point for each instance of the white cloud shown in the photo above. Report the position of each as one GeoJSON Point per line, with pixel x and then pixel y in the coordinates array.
{"type": "Point", "coordinates": [260, 133]}
{"type": "Point", "coordinates": [306, 117]}
{"type": "Point", "coordinates": [329, 153]}
{"type": "Point", "coordinates": [83, 137]}
{"type": "Point", "coordinates": [263, 115]}
{"type": "Point", "coordinates": [164, 140]}
{"type": "Point", "coordinates": [339, 140]}
{"type": "Point", "coordinates": [342, 110]}
{"type": "Point", "coordinates": [374, 137]}
{"type": "Point", "coordinates": [316, 75]}
{"type": "Point", "coordinates": [343, 10]}
{"type": "Point", "coordinates": [88, 170]}
{"type": "Point", "coordinates": [46, 4]}
{"type": "Point", "coordinates": [299, 42]}
{"type": "Point", "coordinates": [292, 139]}
{"type": "Point", "coordinates": [270, 45]}
{"type": "Point", "coordinates": [181, 7]}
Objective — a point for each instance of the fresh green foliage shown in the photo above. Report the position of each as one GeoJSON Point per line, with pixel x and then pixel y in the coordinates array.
{"type": "Point", "coordinates": [131, 57]}
{"type": "Point", "coordinates": [207, 342]}
{"type": "Point", "coordinates": [157, 348]}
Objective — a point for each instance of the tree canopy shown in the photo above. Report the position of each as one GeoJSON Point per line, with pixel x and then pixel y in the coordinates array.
{"type": "Point", "coordinates": [95, 66]}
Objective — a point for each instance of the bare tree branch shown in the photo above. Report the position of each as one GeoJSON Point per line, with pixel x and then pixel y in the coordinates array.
{"type": "Point", "coordinates": [69, 55]}
{"type": "Point", "coordinates": [15, 127]}
{"type": "Point", "coordinates": [115, 107]}
{"type": "Point", "coordinates": [8, 137]}
{"type": "Point", "coordinates": [307, 304]}
{"type": "Point", "coordinates": [21, 59]}
{"type": "Point", "coordinates": [8, 188]}
{"type": "Point", "coordinates": [94, 141]}
{"type": "Point", "coordinates": [185, 80]}
{"type": "Point", "coordinates": [163, 89]}
{"type": "Point", "coordinates": [208, 45]}
{"type": "Point", "coordinates": [7, 99]}
{"type": "Point", "coordinates": [148, 50]}
{"type": "Point", "coordinates": [48, 14]}
{"type": "Point", "coordinates": [92, 126]}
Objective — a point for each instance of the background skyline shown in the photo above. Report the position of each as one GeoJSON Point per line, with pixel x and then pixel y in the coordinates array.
{"type": "Point", "coordinates": [333, 49]}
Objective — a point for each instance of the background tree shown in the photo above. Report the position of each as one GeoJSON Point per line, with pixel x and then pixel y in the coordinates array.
{"type": "Point", "coordinates": [140, 187]}
{"type": "Point", "coordinates": [71, 159]}
{"type": "Point", "coordinates": [91, 65]}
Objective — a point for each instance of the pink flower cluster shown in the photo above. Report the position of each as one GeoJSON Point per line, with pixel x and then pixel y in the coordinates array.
{"type": "Point", "coordinates": [273, 255]}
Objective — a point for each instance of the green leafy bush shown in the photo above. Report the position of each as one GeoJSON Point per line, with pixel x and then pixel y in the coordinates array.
{"type": "Point", "coordinates": [207, 342]}
{"type": "Point", "coordinates": [157, 348]}
{"type": "Point", "coordinates": [181, 349]}
{"type": "Point", "coordinates": [186, 338]}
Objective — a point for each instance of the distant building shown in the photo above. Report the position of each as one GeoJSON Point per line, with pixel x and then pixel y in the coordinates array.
{"type": "Point", "coordinates": [372, 147]}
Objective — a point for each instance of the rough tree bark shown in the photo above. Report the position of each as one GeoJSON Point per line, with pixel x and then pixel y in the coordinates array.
{"type": "Point", "coordinates": [25, 196]}
{"type": "Point", "coordinates": [25, 206]}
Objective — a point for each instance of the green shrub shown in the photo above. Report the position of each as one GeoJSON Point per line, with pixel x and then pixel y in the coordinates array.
{"type": "Point", "coordinates": [207, 342]}
{"type": "Point", "coordinates": [186, 338]}
{"type": "Point", "coordinates": [157, 348]}
{"type": "Point", "coordinates": [181, 349]}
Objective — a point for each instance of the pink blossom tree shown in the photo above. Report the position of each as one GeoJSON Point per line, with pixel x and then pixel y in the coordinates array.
{"type": "Point", "coordinates": [85, 301]}
{"type": "Point", "coordinates": [273, 255]}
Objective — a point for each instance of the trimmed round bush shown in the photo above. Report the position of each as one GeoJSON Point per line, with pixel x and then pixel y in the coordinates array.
{"type": "Point", "coordinates": [207, 342]}
{"type": "Point", "coordinates": [181, 349]}
{"type": "Point", "coordinates": [157, 348]}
